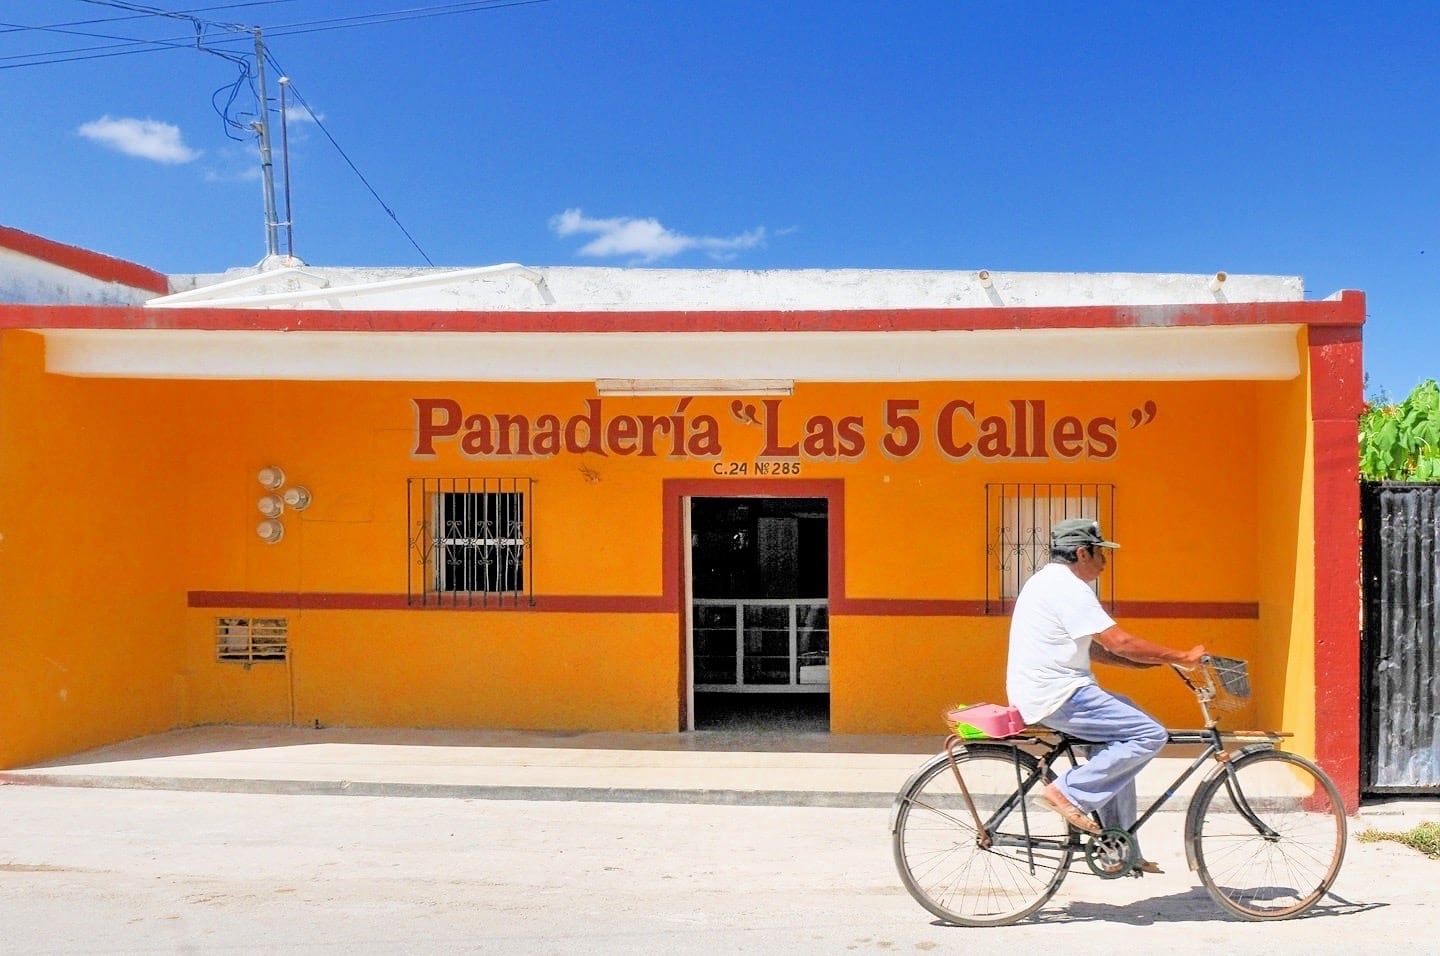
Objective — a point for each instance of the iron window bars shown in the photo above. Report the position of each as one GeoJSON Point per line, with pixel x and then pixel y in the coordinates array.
{"type": "Point", "coordinates": [470, 542]}
{"type": "Point", "coordinates": [1018, 518]}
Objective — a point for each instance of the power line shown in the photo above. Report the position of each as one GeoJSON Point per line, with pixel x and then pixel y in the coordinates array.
{"type": "Point", "coordinates": [65, 30]}
{"type": "Point", "coordinates": [230, 32]}
{"type": "Point", "coordinates": [343, 155]}
{"type": "Point", "coordinates": [132, 45]}
{"type": "Point", "coordinates": [142, 9]}
{"type": "Point", "coordinates": [242, 65]}
{"type": "Point", "coordinates": [395, 16]}
{"type": "Point", "coordinates": [127, 44]}
{"type": "Point", "coordinates": [140, 16]}
{"type": "Point", "coordinates": [63, 56]}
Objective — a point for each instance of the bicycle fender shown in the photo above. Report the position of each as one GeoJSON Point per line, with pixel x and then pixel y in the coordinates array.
{"type": "Point", "coordinates": [943, 757]}
{"type": "Point", "coordinates": [1192, 813]}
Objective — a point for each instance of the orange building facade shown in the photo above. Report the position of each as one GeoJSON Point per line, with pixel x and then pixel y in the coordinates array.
{"type": "Point", "coordinates": [581, 514]}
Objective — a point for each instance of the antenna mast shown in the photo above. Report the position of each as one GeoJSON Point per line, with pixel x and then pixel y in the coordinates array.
{"type": "Point", "coordinates": [267, 169]}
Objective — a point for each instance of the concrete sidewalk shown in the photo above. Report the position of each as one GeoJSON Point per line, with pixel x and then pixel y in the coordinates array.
{"type": "Point", "coordinates": [806, 769]}
{"type": "Point", "coordinates": [715, 767]}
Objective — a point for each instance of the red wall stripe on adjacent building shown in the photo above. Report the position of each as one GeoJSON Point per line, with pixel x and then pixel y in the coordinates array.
{"type": "Point", "coordinates": [92, 264]}
{"type": "Point", "coordinates": [1337, 398]}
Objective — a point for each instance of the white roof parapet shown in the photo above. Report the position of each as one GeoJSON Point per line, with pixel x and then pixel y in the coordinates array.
{"type": "Point", "coordinates": [589, 289]}
{"type": "Point", "coordinates": [299, 287]}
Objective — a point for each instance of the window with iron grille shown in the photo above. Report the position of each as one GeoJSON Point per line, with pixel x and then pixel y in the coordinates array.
{"type": "Point", "coordinates": [471, 542]}
{"type": "Point", "coordinates": [1018, 519]}
{"type": "Point", "coordinates": [245, 640]}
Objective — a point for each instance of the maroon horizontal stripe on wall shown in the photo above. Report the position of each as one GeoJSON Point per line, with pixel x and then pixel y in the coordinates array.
{"type": "Point", "coordinates": [927, 607]}
{"type": "Point", "coordinates": [907, 607]}
{"type": "Point", "coordinates": [291, 600]}
{"type": "Point", "coordinates": [663, 604]}
{"type": "Point", "coordinates": [1219, 610]}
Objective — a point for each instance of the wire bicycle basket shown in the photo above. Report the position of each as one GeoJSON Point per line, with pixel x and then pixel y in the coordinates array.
{"type": "Point", "coordinates": [1231, 682]}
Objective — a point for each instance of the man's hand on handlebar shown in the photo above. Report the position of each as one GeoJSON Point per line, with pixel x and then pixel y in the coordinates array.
{"type": "Point", "coordinates": [1192, 658]}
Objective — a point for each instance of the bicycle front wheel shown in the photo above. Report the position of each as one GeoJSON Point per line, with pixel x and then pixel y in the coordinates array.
{"type": "Point", "coordinates": [1268, 838]}
{"type": "Point", "coordinates": [940, 852]}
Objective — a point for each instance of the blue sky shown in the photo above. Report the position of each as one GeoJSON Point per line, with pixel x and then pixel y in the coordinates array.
{"type": "Point", "coordinates": [1281, 138]}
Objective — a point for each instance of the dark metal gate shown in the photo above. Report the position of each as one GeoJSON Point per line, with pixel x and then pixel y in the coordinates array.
{"type": "Point", "coordinates": [1400, 690]}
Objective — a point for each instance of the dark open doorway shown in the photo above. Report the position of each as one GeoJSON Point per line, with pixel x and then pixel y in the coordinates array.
{"type": "Point", "coordinates": [760, 618]}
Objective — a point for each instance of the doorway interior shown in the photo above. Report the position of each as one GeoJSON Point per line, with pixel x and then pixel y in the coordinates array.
{"type": "Point", "coordinates": [759, 614]}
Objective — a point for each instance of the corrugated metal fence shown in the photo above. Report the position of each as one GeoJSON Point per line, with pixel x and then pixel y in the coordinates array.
{"type": "Point", "coordinates": [1400, 690]}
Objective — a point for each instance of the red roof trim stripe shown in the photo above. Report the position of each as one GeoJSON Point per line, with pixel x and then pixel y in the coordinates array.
{"type": "Point", "coordinates": [1347, 310]}
{"type": "Point", "coordinates": [92, 264]}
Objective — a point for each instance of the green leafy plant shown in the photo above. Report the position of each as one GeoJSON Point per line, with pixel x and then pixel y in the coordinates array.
{"type": "Point", "coordinates": [1401, 442]}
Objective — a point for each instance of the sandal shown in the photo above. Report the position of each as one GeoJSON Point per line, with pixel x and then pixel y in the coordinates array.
{"type": "Point", "coordinates": [1145, 866]}
{"type": "Point", "coordinates": [1052, 799]}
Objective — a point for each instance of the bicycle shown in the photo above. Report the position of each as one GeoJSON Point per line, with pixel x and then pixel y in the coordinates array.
{"type": "Point", "coordinates": [1265, 830]}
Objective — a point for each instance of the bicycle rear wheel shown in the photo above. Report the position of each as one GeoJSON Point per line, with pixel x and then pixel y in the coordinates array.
{"type": "Point", "coordinates": [1268, 843]}
{"type": "Point", "coordinates": [938, 848]}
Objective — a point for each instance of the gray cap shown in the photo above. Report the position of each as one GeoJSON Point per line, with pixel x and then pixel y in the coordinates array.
{"type": "Point", "coordinates": [1079, 533]}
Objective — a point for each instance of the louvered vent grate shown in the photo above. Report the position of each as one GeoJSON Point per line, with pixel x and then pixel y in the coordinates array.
{"type": "Point", "coordinates": [249, 639]}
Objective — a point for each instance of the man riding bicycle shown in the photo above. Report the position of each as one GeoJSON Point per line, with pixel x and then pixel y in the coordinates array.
{"type": "Point", "coordinates": [1057, 629]}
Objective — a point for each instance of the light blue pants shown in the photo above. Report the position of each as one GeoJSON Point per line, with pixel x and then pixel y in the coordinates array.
{"type": "Point", "coordinates": [1125, 739]}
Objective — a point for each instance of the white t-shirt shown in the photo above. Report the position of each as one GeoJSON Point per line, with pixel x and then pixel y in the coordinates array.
{"type": "Point", "coordinates": [1055, 617]}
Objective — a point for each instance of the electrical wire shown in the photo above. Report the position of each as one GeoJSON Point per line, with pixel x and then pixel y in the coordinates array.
{"type": "Point", "coordinates": [64, 56]}
{"type": "Point", "coordinates": [300, 98]}
{"type": "Point", "coordinates": [16, 28]}
{"type": "Point", "coordinates": [67, 27]}
{"type": "Point", "coordinates": [147, 11]}
{"type": "Point", "coordinates": [131, 45]}
{"type": "Point", "coordinates": [245, 74]}
{"type": "Point", "coordinates": [143, 11]}
{"type": "Point", "coordinates": [395, 16]}
{"type": "Point", "coordinates": [127, 44]}
{"type": "Point", "coordinates": [64, 29]}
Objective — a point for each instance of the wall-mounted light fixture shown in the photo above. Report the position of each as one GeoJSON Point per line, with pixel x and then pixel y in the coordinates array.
{"type": "Point", "coordinates": [272, 505]}
{"type": "Point", "coordinates": [694, 386]}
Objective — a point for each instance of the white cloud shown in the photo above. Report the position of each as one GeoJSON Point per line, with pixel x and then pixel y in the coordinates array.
{"type": "Point", "coordinates": [235, 162]}
{"type": "Point", "coordinates": [300, 113]}
{"type": "Point", "coordinates": [645, 239]}
{"type": "Point", "coordinates": [147, 138]}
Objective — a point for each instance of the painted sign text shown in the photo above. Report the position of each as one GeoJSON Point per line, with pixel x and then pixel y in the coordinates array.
{"type": "Point", "coordinates": [959, 429]}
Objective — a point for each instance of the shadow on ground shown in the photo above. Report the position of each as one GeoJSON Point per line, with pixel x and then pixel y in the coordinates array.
{"type": "Point", "coordinates": [1189, 907]}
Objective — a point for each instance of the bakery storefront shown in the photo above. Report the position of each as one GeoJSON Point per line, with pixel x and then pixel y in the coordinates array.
{"type": "Point", "coordinates": [572, 499]}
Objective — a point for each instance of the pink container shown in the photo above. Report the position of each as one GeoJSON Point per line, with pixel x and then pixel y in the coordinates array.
{"type": "Point", "coordinates": [986, 720]}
